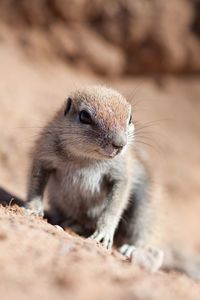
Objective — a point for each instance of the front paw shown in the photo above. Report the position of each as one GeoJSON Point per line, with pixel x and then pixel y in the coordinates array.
{"type": "Point", "coordinates": [103, 236]}
{"type": "Point", "coordinates": [34, 208]}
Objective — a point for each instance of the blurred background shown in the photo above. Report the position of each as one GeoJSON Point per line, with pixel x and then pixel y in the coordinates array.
{"type": "Point", "coordinates": [148, 50]}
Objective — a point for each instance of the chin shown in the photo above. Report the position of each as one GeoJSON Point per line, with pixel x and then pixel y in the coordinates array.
{"type": "Point", "coordinates": [106, 156]}
{"type": "Point", "coordinates": [94, 155]}
{"type": "Point", "coordinates": [97, 156]}
{"type": "Point", "coordinates": [88, 156]}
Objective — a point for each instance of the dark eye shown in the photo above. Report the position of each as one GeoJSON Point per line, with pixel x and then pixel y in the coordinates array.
{"type": "Point", "coordinates": [85, 117]}
{"type": "Point", "coordinates": [130, 120]}
{"type": "Point", "coordinates": [68, 106]}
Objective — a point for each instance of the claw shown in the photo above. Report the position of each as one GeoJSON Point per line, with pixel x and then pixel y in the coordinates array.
{"type": "Point", "coordinates": [127, 250]}
{"type": "Point", "coordinates": [104, 237]}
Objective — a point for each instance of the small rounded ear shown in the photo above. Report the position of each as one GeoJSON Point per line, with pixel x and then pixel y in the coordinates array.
{"type": "Point", "coordinates": [68, 105]}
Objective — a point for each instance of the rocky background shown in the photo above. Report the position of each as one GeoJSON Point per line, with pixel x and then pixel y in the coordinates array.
{"type": "Point", "coordinates": [149, 51]}
{"type": "Point", "coordinates": [111, 37]}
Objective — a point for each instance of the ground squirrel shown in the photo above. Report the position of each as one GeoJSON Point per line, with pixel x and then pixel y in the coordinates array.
{"type": "Point", "coordinates": [86, 165]}
{"type": "Point", "coordinates": [95, 182]}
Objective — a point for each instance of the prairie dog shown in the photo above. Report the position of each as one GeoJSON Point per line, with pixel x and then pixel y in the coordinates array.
{"type": "Point", "coordinates": [95, 182]}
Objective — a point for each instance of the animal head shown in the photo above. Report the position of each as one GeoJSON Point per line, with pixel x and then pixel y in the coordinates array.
{"type": "Point", "coordinates": [96, 123]}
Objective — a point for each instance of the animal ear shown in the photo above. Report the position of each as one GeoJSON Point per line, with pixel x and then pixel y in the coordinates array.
{"type": "Point", "coordinates": [68, 105]}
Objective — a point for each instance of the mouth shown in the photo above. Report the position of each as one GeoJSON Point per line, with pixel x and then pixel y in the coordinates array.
{"type": "Point", "coordinates": [109, 153]}
{"type": "Point", "coordinates": [114, 153]}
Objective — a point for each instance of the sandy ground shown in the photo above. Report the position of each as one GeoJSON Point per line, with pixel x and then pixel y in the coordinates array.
{"type": "Point", "coordinates": [39, 260]}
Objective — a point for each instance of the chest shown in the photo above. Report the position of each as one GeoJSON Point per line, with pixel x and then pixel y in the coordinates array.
{"type": "Point", "coordinates": [86, 179]}
{"type": "Point", "coordinates": [81, 182]}
{"type": "Point", "coordinates": [89, 180]}
{"type": "Point", "coordinates": [81, 191]}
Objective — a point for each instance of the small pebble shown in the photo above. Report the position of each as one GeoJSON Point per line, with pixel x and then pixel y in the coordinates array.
{"type": "Point", "coordinates": [59, 227]}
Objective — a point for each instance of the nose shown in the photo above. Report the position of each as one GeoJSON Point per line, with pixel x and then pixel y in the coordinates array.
{"type": "Point", "coordinates": [119, 140]}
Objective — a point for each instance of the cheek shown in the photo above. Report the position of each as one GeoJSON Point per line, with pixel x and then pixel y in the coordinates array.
{"type": "Point", "coordinates": [92, 139]}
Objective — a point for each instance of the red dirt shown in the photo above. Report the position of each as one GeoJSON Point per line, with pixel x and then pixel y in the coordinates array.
{"type": "Point", "coordinates": [40, 261]}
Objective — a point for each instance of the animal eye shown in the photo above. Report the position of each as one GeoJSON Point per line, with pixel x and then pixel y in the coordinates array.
{"type": "Point", "coordinates": [130, 120]}
{"type": "Point", "coordinates": [68, 106]}
{"type": "Point", "coordinates": [85, 117]}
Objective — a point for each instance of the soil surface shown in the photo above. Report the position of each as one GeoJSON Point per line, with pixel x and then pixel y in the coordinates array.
{"type": "Point", "coordinates": [39, 260]}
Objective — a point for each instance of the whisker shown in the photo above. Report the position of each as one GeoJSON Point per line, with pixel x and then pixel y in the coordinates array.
{"type": "Point", "coordinates": [157, 150]}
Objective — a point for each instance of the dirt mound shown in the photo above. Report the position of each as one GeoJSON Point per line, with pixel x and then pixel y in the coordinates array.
{"type": "Point", "coordinates": [39, 260]}
{"type": "Point", "coordinates": [111, 37]}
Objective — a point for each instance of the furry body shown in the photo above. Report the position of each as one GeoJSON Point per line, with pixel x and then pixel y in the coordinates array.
{"type": "Point", "coordinates": [94, 180]}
